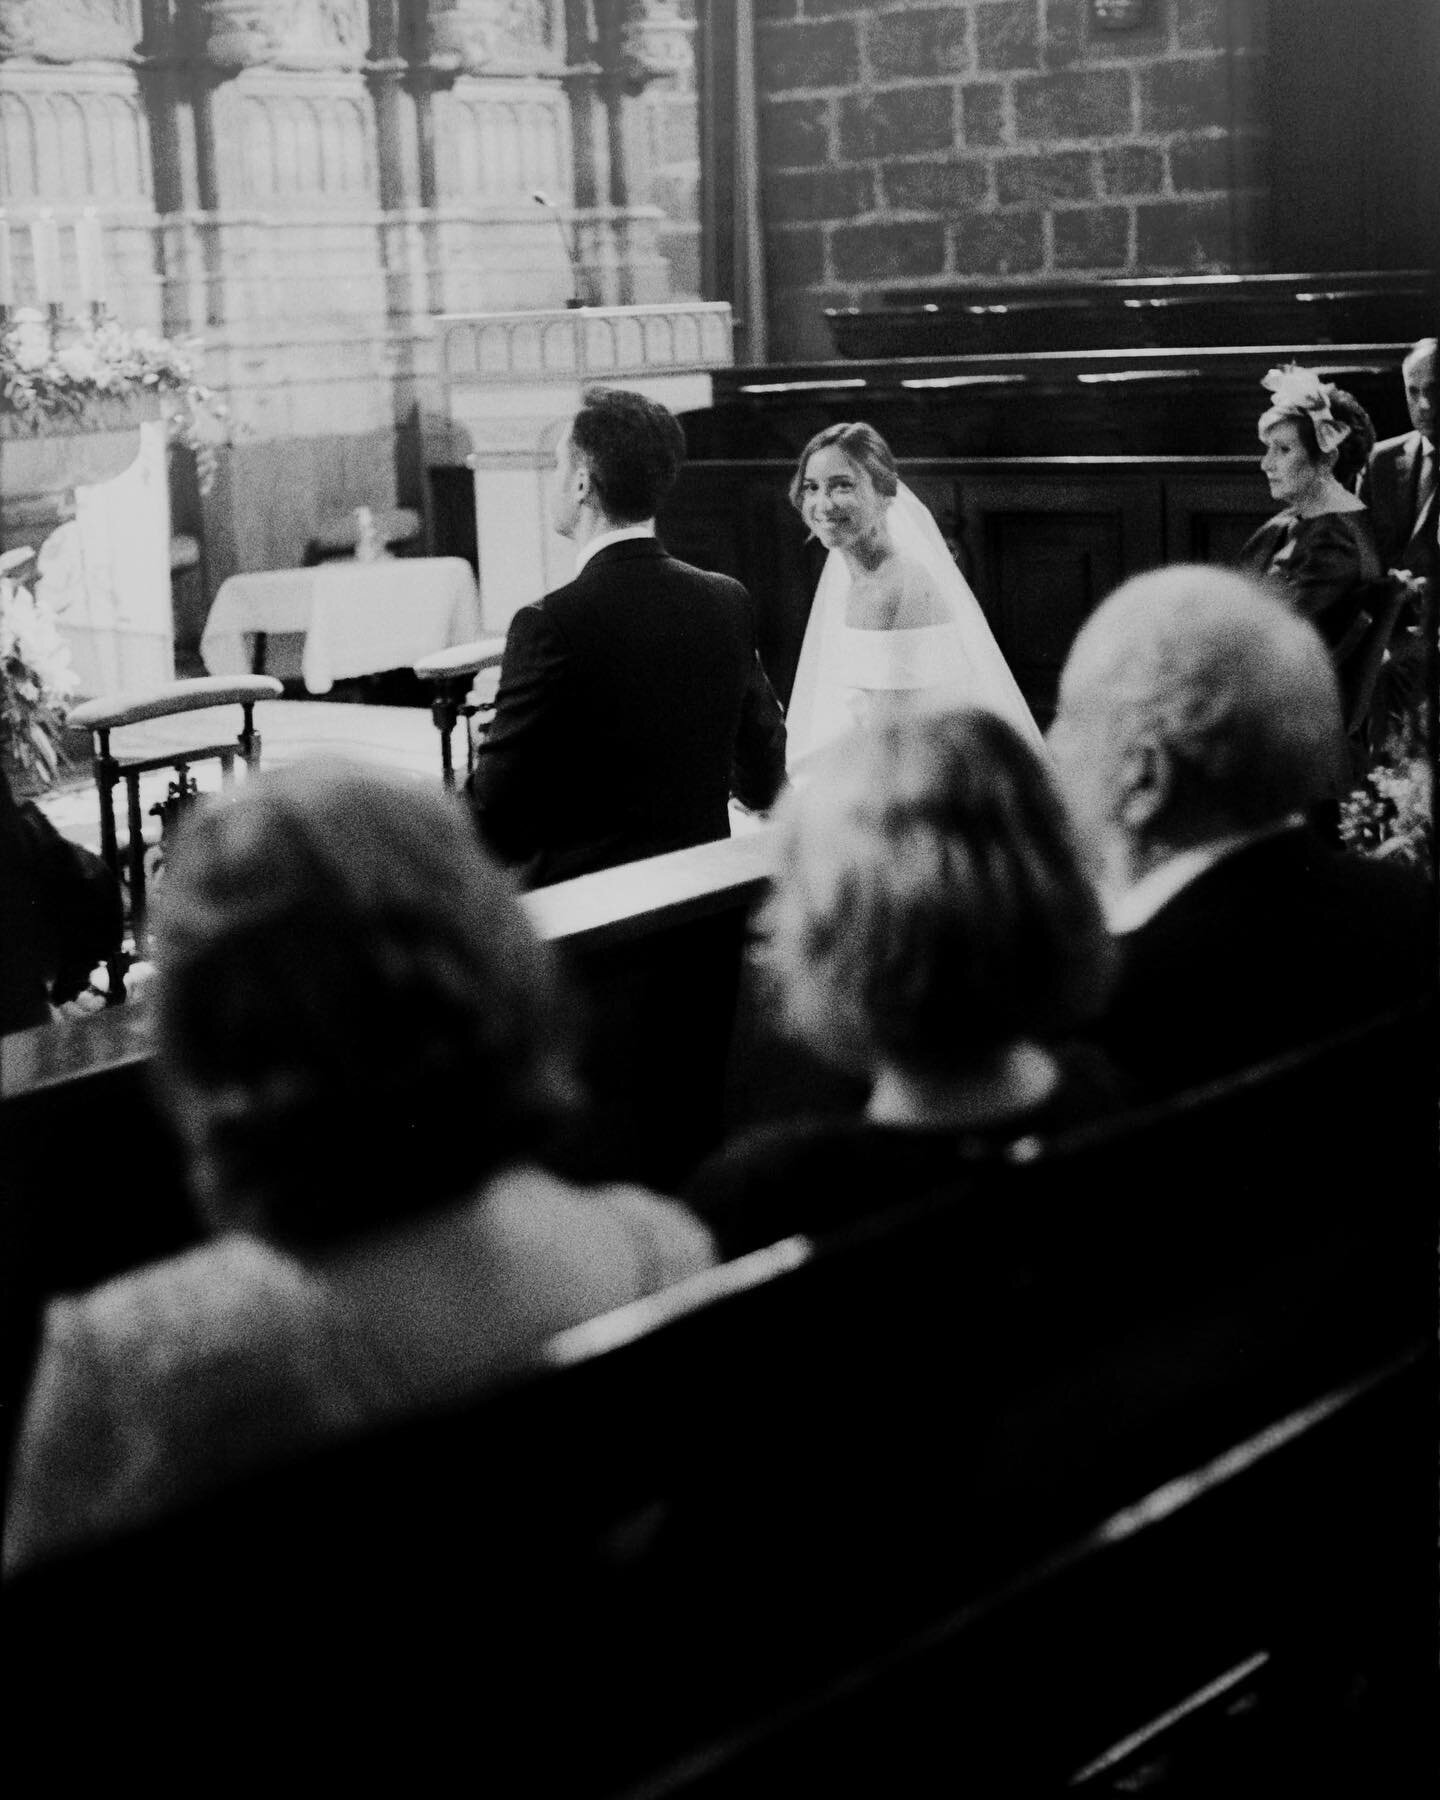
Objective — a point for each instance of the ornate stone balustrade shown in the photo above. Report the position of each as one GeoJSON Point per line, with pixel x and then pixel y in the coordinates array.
{"type": "Point", "coordinates": [600, 343]}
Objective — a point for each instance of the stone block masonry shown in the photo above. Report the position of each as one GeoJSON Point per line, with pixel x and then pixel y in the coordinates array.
{"type": "Point", "coordinates": [997, 141]}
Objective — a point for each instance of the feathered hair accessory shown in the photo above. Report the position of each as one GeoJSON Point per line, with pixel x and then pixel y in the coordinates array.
{"type": "Point", "coordinates": [1296, 391]}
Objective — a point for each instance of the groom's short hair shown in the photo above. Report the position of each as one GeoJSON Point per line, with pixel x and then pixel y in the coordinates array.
{"type": "Point", "coordinates": [633, 448]}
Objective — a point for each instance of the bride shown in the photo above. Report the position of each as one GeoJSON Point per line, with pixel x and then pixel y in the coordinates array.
{"type": "Point", "coordinates": [893, 619]}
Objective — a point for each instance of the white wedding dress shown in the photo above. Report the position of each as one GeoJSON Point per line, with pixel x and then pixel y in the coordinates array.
{"type": "Point", "coordinates": [955, 662]}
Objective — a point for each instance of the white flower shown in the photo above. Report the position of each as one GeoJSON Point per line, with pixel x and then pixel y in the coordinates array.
{"type": "Point", "coordinates": [30, 344]}
{"type": "Point", "coordinates": [79, 362]}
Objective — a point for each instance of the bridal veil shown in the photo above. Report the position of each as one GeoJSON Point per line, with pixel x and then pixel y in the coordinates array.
{"type": "Point", "coordinates": [970, 671]}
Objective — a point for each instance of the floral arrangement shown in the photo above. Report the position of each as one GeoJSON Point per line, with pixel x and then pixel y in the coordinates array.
{"type": "Point", "coordinates": [1390, 814]}
{"type": "Point", "coordinates": [71, 373]}
{"type": "Point", "coordinates": [37, 682]}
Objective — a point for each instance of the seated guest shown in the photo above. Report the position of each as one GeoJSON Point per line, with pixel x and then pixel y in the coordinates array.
{"type": "Point", "coordinates": [24, 996]}
{"type": "Point", "coordinates": [1319, 551]}
{"type": "Point", "coordinates": [1198, 718]}
{"type": "Point", "coordinates": [631, 703]}
{"type": "Point", "coordinates": [60, 914]}
{"type": "Point", "coordinates": [361, 1043]}
{"type": "Point", "coordinates": [931, 930]}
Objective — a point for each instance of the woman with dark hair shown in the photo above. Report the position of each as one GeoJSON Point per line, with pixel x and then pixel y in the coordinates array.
{"type": "Point", "coordinates": [363, 1047]}
{"type": "Point", "coordinates": [1320, 549]}
{"type": "Point", "coordinates": [893, 620]}
{"type": "Point", "coordinates": [932, 931]}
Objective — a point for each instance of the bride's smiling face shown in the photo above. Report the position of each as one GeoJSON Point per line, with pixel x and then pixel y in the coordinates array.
{"type": "Point", "coordinates": [839, 501]}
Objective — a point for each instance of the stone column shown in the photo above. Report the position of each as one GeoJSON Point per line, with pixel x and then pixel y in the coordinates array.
{"type": "Point", "coordinates": [616, 52]}
{"type": "Point", "coordinates": [292, 244]}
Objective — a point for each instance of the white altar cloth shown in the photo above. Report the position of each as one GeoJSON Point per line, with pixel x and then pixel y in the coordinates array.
{"type": "Point", "coordinates": [358, 618]}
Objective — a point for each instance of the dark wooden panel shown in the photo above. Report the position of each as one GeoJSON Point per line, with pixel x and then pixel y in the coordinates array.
{"type": "Point", "coordinates": [1043, 546]}
{"type": "Point", "coordinates": [1209, 517]}
{"type": "Point", "coordinates": [1196, 401]}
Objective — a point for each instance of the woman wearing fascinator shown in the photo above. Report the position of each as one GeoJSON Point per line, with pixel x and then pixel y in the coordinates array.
{"type": "Point", "coordinates": [893, 622]}
{"type": "Point", "coordinates": [1320, 549]}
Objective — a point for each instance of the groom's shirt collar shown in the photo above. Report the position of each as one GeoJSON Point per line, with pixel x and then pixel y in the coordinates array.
{"type": "Point", "coordinates": [620, 535]}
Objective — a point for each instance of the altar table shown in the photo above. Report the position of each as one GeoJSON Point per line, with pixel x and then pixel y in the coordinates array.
{"type": "Point", "coordinates": [358, 618]}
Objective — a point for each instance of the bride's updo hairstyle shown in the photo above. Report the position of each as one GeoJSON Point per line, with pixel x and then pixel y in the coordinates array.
{"type": "Point", "coordinates": [357, 1023]}
{"type": "Point", "coordinates": [929, 907]}
{"type": "Point", "coordinates": [863, 444]}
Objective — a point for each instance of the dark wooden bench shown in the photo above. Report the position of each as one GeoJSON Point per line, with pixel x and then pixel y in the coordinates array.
{"type": "Point", "coordinates": [1148, 312]}
{"type": "Point", "coordinates": [1003, 1481]}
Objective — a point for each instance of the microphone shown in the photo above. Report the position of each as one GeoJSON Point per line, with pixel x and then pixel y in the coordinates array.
{"type": "Point", "coordinates": [543, 199]}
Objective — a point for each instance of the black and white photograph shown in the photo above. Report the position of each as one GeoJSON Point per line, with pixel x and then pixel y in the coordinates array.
{"type": "Point", "coordinates": [719, 898]}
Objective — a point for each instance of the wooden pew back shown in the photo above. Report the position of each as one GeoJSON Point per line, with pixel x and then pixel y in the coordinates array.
{"type": "Point", "coordinates": [711, 1506]}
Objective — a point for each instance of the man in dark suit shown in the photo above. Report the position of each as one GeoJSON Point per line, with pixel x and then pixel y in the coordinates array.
{"type": "Point", "coordinates": [631, 703]}
{"type": "Point", "coordinates": [1198, 720]}
{"type": "Point", "coordinates": [1399, 484]}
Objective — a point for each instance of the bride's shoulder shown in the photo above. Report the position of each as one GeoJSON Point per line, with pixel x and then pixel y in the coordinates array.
{"type": "Point", "coordinates": [901, 593]}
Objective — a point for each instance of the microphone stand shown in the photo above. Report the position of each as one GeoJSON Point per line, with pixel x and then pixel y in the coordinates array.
{"type": "Point", "coordinates": [543, 199]}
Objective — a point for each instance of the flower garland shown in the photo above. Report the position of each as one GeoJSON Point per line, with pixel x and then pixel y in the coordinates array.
{"type": "Point", "coordinates": [70, 374]}
{"type": "Point", "coordinates": [37, 682]}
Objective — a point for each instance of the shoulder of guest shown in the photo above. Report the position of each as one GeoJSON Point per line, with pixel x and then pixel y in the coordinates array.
{"type": "Point", "coordinates": [192, 1293]}
{"type": "Point", "coordinates": [1274, 527]}
{"type": "Point", "coordinates": [1392, 447]}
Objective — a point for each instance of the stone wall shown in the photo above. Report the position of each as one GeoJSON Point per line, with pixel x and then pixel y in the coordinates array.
{"type": "Point", "coordinates": [305, 184]}
{"type": "Point", "coordinates": [998, 141]}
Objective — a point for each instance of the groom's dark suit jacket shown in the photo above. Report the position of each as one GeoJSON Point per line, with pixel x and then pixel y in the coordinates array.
{"type": "Point", "coordinates": [1391, 491]}
{"type": "Point", "coordinates": [631, 705]}
{"type": "Point", "coordinates": [1281, 944]}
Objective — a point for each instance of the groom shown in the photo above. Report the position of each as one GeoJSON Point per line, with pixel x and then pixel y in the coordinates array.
{"type": "Point", "coordinates": [631, 703]}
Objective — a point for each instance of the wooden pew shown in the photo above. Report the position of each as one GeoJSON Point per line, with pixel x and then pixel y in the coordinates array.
{"type": "Point", "coordinates": [1185, 400]}
{"type": "Point", "coordinates": [998, 1481]}
{"type": "Point", "coordinates": [1147, 312]}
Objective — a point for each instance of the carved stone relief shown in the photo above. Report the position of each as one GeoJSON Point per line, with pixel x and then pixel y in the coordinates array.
{"type": "Point", "coordinates": [70, 30]}
{"type": "Point", "coordinates": [336, 31]}
{"type": "Point", "coordinates": [237, 34]}
{"type": "Point", "coordinates": [477, 34]}
{"type": "Point", "coordinates": [501, 141]}
{"type": "Point", "coordinates": [654, 41]}
{"type": "Point", "coordinates": [87, 145]}
{"type": "Point", "coordinates": [305, 147]}
{"type": "Point", "coordinates": [241, 34]}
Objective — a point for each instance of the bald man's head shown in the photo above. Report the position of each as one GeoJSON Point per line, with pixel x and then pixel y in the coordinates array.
{"type": "Point", "coordinates": [1193, 704]}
